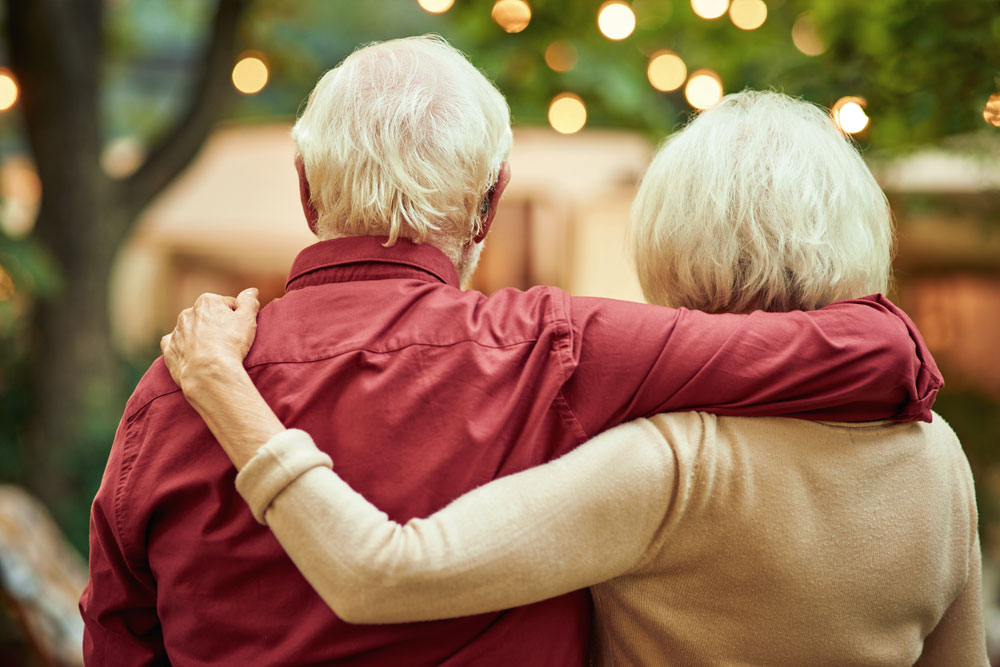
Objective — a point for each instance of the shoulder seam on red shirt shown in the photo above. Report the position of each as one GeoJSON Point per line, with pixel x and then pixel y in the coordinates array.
{"type": "Point", "coordinates": [564, 352]}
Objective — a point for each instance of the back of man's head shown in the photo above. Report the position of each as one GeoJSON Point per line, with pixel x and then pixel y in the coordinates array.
{"type": "Point", "coordinates": [404, 138]}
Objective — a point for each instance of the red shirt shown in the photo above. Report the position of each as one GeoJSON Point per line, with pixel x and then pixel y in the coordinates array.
{"type": "Point", "coordinates": [421, 392]}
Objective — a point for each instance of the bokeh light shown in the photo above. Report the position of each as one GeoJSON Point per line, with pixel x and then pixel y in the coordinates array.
{"type": "Point", "coordinates": [703, 89]}
{"type": "Point", "coordinates": [560, 56]}
{"type": "Point", "coordinates": [512, 15]}
{"type": "Point", "coordinates": [436, 6]}
{"type": "Point", "coordinates": [805, 37]}
{"type": "Point", "coordinates": [710, 9]}
{"type": "Point", "coordinates": [8, 90]}
{"type": "Point", "coordinates": [666, 71]}
{"type": "Point", "coordinates": [567, 113]}
{"type": "Point", "coordinates": [616, 20]}
{"type": "Point", "coordinates": [849, 114]}
{"type": "Point", "coordinates": [748, 14]}
{"type": "Point", "coordinates": [250, 75]}
{"type": "Point", "coordinates": [7, 289]}
{"type": "Point", "coordinates": [20, 195]}
{"type": "Point", "coordinates": [991, 112]}
{"type": "Point", "coordinates": [122, 156]}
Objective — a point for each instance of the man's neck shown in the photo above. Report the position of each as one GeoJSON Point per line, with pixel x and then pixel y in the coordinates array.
{"type": "Point", "coordinates": [464, 257]}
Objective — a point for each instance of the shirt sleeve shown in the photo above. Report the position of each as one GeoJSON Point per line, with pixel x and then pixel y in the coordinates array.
{"type": "Point", "coordinates": [576, 521]}
{"type": "Point", "coordinates": [853, 360]}
{"type": "Point", "coordinates": [118, 605]}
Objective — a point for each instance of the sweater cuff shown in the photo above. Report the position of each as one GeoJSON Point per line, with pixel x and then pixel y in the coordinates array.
{"type": "Point", "coordinates": [283, 459]}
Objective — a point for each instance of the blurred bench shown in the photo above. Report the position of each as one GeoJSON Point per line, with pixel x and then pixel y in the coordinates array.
{"type": "Point", "coordinates": [41, 579]}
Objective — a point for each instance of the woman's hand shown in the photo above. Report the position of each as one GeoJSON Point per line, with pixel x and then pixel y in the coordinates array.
{"type": "Point", "coordinates": [204, 355]}
{"type": "Point", "coordinates": [212, 337]}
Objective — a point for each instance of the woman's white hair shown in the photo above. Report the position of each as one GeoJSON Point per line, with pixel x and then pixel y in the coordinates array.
{"type": "Point", "coordinates": [760, 203]}
{"type": "Point", "coordinates": [404, 138]}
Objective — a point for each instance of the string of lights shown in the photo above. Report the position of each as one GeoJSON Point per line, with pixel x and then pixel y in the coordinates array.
{"type": "Point", "coordinates": [616, 20]}
{"type": "Point", "coordinates": [667, 71]}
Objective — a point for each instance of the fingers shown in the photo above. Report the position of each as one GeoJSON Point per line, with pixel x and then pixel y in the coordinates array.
{"type": "Point", "coordinates": [246, 301]}
{"type": "Point", "coordinates": [206, 300]}
{"type": "Point", "coordinates": [209, 302]}
{"type": "Point", "coordinates": [217, 329]}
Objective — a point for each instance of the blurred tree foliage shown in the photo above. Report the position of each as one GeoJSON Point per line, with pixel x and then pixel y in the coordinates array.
{"type": "Point", "coordinates": [74, 389]}
{"type": "Point", "coordinates": [27, 273]}
{"type": "Point", "coordinates": [926, 67]}
{"type": "Point", "coordinates": [154, 72]}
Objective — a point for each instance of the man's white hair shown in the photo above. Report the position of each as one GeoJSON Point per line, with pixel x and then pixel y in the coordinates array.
{"type": "Point", "coordinates": [404, 138]}
{"type": "Point", "coordinates": [760, 203]}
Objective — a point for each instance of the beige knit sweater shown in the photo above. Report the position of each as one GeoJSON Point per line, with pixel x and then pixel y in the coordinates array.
{"type": "Point", "coordinates": [706, 541]}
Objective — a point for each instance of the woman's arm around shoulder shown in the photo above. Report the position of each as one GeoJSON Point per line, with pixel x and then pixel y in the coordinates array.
{"type": "Point", "coordinates": [574, 522]}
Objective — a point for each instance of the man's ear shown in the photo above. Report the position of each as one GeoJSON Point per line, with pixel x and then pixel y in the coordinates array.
{"type": "Point", "coordinates": [493, 201]}
{"type": "Point", "coordinates": [312, 217]}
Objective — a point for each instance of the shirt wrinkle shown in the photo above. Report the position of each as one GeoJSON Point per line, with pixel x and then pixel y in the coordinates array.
{"type": "Point", "coordinates": [463, 341]}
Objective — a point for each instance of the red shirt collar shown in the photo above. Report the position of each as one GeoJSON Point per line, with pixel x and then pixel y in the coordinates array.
{"type": "Point", "coordinates": [365, 258]}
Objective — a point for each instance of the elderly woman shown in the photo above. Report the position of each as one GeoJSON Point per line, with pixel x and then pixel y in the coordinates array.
{"type": "Point", "coordinates": [705, 540]}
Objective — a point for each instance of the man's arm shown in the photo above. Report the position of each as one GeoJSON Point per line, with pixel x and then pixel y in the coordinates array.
{"type": "Point", "coordinates": [574, 522]}
{"type": "Point", "coordinates": [118, 605]}
{"type": "Point", "coordinates": [851, 361]}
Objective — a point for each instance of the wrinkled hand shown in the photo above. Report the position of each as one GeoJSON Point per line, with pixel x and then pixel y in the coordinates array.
{"type": "Point", "coordinates": [213, 336]}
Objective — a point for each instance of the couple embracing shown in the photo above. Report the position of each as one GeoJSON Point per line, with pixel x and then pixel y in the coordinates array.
{"type": "Point", "coordinates": [746, 471]}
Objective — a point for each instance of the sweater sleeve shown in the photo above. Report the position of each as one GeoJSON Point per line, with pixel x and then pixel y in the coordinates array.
{"type": "Point", "coordinates": [576, 521]}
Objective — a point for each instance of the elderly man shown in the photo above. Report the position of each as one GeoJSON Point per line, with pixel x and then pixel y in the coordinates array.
{"type": "Point", "coordinates": [402, 163]}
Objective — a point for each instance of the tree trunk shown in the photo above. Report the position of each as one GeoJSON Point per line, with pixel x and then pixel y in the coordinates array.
{"type": "Point", "coordinates": [55, 49]}
{"type": "Point", "coordinates": [78, 379]}
{"type": "Point", "coordinates": [78, 395]}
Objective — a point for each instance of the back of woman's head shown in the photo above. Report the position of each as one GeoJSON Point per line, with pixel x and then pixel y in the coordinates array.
{"type": "Point", "coordinates": [760, 203]}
